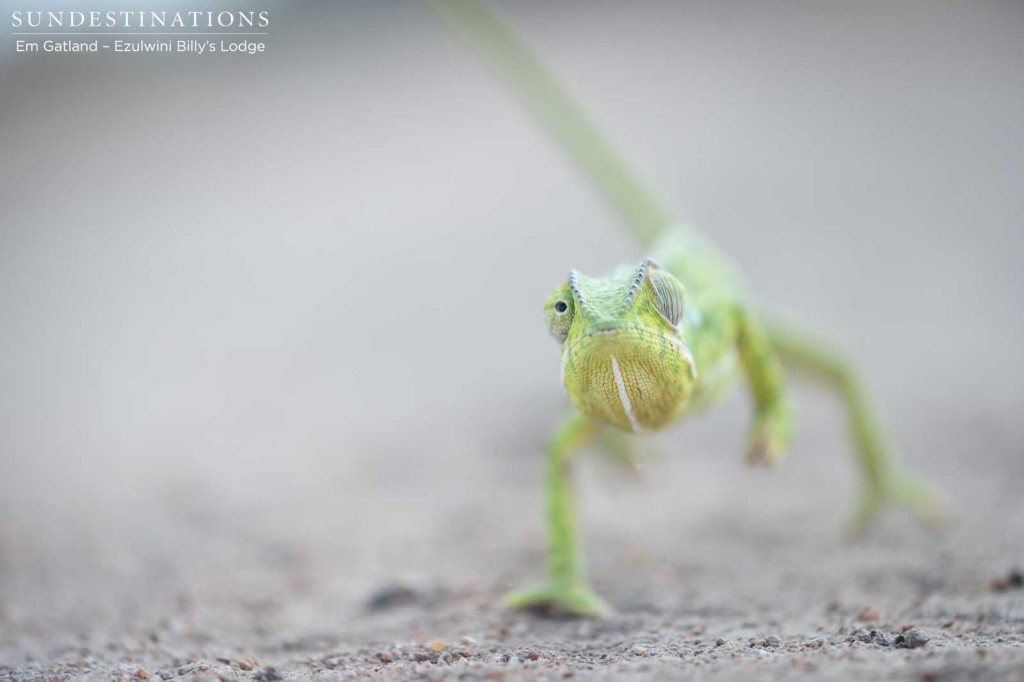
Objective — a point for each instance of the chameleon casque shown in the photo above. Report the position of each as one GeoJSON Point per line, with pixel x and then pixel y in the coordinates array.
{"type": "Point", "coordinates": [661, 340]}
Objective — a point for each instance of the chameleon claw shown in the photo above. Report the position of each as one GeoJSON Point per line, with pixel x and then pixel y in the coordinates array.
{"type": "Point", "coordinates": [768, 441]}
{"type": "Point", "coordinates": [575, 600]}
{"type": "Point", "coordinates": [919, 498]}
{"type": "Point", "coordinates": [926, 503]}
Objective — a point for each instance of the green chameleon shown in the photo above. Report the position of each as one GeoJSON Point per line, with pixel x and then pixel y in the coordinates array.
{"type": "Point", "coordinates": [652, 344]}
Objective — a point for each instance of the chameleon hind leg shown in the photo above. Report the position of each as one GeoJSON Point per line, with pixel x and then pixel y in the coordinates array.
{"type": "Point", "coordinates": [884, 481]}
{"type": "Point", "coordinates": [566, 587]}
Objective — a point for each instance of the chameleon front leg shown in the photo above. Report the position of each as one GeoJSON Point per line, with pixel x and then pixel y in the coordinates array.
{"type": "Point", "coordinates": [565, 589]}
{"type": "Point", "coordinates": [884, 480]}
{"type": "Point", "coordinates": [773, 421]}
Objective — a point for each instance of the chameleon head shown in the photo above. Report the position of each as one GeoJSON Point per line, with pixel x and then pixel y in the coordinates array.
{"type": "Point", "coordinates": [624, 355]}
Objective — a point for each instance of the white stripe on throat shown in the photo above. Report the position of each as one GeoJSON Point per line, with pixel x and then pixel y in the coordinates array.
{"type": "Point", "coordinates": [627, 406]}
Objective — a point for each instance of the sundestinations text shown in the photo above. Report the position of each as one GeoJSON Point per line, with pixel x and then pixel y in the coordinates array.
{"type": "Point", "coordinates": [140, 19]}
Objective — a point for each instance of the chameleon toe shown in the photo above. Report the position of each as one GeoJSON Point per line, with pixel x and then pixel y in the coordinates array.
{"type": "Point", "coordinates": [574, 601]}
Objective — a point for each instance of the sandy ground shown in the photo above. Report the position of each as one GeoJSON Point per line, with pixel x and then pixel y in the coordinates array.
{"type": "Point", "coordinates": [717, 573]}
{"type": "Point", "coordinates": [275, 381]}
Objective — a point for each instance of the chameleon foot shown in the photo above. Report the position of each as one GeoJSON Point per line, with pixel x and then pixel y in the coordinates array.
{"type": "Point", "coordinates": [913, 494]}
{"type": "Point", "coordinates": [769, 439]}
{"type": "Point", "coordinates": [921, 499]}
{"type": "Point", "coordinates": [573, 600]}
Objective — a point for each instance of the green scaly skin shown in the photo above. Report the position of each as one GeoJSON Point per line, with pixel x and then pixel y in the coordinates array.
{"type": "Point", "coordinates": [649, 345]}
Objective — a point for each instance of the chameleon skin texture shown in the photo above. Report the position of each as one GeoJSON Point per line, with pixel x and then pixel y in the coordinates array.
{"type": "Point", "coordinates": [648, 345]}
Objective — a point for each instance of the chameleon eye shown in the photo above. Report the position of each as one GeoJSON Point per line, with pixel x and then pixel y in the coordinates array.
{"type": "Point", "coordinates": [558, 312]}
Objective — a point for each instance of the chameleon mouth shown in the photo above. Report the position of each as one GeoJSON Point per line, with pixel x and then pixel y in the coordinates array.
{"type": "Point", "coordinates": [613, 331]}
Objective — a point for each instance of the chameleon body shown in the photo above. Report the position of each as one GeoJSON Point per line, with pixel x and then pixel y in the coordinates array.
{"type": "Point", "coordinates": [654, 343]}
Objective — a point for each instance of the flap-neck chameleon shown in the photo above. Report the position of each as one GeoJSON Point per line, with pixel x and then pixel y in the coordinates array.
{"type": "Point", "coordinates": [648, 345]}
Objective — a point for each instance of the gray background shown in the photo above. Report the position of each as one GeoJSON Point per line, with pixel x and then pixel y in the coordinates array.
{"type": "Point", "coordinates": [272, 340]}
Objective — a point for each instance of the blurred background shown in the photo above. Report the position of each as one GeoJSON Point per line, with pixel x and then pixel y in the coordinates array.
{"type": "Point", "coordinates": [271, 326]}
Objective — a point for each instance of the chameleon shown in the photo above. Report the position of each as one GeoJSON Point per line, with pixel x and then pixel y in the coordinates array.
{"type": "Point", "coordinates": [654, 343]}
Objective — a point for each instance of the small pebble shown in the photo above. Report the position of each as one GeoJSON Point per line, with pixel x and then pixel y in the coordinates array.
{"type": "Point", "coordinates": [868, 614]}
{"type": "Point", "coordinates": [267, 674]}
{"type": "Point", "coordinates": [384, 657]}
{"type": "Point", "coordinates": [911, 639]}
{"type": "Point", "coordinates": [875, 637]}
{"type": "Point", "coordinates": [1014, 580]}
{"type": "Point", "coordinates": [391, 596]}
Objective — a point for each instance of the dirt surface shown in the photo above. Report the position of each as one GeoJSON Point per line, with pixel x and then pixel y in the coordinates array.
{"type": "Point", "coordinates": [717, 574]}
{"type": "Point", "coordinates": [275, 382]}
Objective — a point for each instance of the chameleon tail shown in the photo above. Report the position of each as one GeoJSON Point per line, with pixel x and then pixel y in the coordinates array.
{"type": "Point", "coordinates": [563, 118]}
